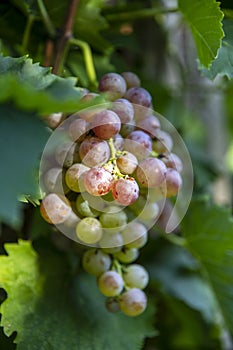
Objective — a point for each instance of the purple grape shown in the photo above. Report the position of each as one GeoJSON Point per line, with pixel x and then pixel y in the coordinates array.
{"type": "Point", "coordinates": [124, 109]}
{"type": "Point", "coordinates": [78, 130]}
{"type": "Point", "coordinates": [131, 79]}
{"type": "Point", "coordinates": [106, 124]}
{"type": "Point", "coordinates": [139, 96]}
{"type": "Point", "coordinates": [139, 143]}
{"type": "Point", "coordinates": [151, 172]}
{"type": "Point", "coordinates": [113, 84]}
{"type": "Point", "coordinates": [173, 182]}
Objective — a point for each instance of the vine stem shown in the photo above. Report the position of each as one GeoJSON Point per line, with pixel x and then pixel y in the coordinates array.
{"type": "Point", "coordinates": [46, 19]}
{"type": "Point", "coordinates": [27, 31]}
{"type": "Point", "coordinates": [139, 14]}
{"type": "Point", "coordinates": [65, 36]}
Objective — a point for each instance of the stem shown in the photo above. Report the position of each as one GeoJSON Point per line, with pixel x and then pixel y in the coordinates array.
{"type": "Point", "coordinates": [27, 32]}
{"type": "Point", "coordinates": [88, 58]}
{"type": "Point", "coordinates": [46, 19]}
{"type": "Point", "coordinates": [139, 14]}
{"type": "Point", "coordinates": [66, 35]}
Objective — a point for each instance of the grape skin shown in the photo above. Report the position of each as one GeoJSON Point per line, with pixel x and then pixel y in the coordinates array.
{"type": "Point", "coordinates": [98, 181]}
{"type": "Point", "coordinates": [89, 230]}
{"type": "Point", "coordinates": [133, 302]}
{"type": "Point", "coordinates": [113, 84]}
{"type": "Point", "coordinates": [106, 124]}
{"type": "Point", "coordinates": [136, 276]}
{"type": "Point", "coordinates": [125, 191]}
{"type": "Point", "coordinates": [95, 262]}
{"type": "Point", "coordinates": [110, 283]}
{"type": "Point", "coordinates": [151, 172]}
{"type": "Point", "coordinates": [94, 152]}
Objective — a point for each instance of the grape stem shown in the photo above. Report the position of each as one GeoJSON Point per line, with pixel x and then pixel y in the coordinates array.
{"type": "Point", "coordinates": [46, 19]}
{"type": "Point", "coordinates": [27, 32]}
{"type": "Point", "coordinates": [113, 158]}
{"type": "Point", "coordinates": [139, 14]}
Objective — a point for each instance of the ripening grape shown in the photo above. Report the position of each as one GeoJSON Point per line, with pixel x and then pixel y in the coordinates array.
{"type": "Point", "coordinates": [149, 124]}
{"type": "Point", "coordinates": [134, 235]}
{"type": "Point", "coordinates": [132, 80]}
{"type": "Point", "coordinates": [139, 96]}
{"type": "Point", "coordinates": [89, 230]}
{"type": "Point", "coordinates": [98, 181]}
{"type": "Point", "coordinates": [124, 109]}
{"type": "Point", "coordinates": [66, 154]}
{"type": "Point", "coordinates": [84, 208]}
{"type": "Point", "coordinates": [106, 124]}
{"type": "Point", "coordinates": [95, 262]}
{"type": "Point", "coordinates": [112, 305]}
{"type": "Point", "coordinates": [127, 163]}
{"type": "Point", "coordinates": [75, 177]}
{"type": "Point", "coordinates": [133, 302]}
{"type": "Point", "coordinates": [78, 129]}
{"type": "Point", "coordinates": [151, 172]}
{"type": "Point", "coordinates": [139, 143]}
{"type": "Point", "coordinates": [173, 161]}
{"type": "Point", "coordinates": [111, 242]}
{"type": "Point", "coordinates": [125, 191]}
{"type": "Point", "coordinates": [163, 142]}
{"type": "Point", "coordinates": [110, 283]}
{"type": "Point", "coordinates": [114, 219]}
{"type": "Point", "coordinates": [55, 208]}
{"type": "Point", "coordinates": [173, 182]}
{"type": "Point", "coordinates": [113, 85]}
{"type": "Point", "coordinates": [94, 152]}
{"type": "Point", "coordinates": [136, 276]}
{"type": "Point", "coordinates": [127, 255]}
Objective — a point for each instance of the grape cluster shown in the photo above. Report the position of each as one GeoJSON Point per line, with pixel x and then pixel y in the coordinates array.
{"type": "Point", "coordinates": [104, 183]}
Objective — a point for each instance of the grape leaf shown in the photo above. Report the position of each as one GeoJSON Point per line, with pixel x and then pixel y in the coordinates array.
{"type": "Point", "coordinates": [223, 64]}
{"type": "Point", "coordinates": [209, 233]}
{"type": "Point", "coordinates": [46, 307]}
{"type": "Point", "coordinates": [22, 139]}
{"type": "Point", "coordinates": [32, 87]}
{"type": "Point", "coordinates": [204, 18]}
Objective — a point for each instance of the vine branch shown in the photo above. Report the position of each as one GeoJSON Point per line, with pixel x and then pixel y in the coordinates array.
{"type": "Point", "coordinates": [65, 35]}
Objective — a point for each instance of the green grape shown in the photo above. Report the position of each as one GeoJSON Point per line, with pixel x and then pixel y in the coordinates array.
{"type": "Point", "coordinates": [95, 262]}
{"type": "Point", "coordinates": [75, 177]}
{"type": "Point", "coordinates": [111, 242]}
{"type": "Point", "coordinates": [136, 276]}
{"type": "Point", "coordinates": [133, 302]}
{"type": "Point", "coordinates": [89, 230]}
{"type": "Point", "coordinates": [134, 235]}
{"type": "Point", "coordinates": [84, 208]}
{"type": "Point", "coordinates": [127, 255]}
{"type": "Point", "coordinates": [110, 283]}
{"type": "Point", "coordinates": [114, 219]}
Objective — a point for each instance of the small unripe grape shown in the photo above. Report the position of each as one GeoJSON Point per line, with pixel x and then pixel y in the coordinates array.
{"type": "Point", "coordinates": [112, 305]}
{"type": "Point", "coordinates": [106, 124]}
{"type": "Point", "coordinates": [114, 219]}
{"type": "Point", "coordinates": [125, 191]}
{"type": "Point", "coordinates": [149, 212]}
{"type": "Point", "coordinates": [127, 163]}
{"type": "Point", "coordinates": [113, 85]}
{"type": "Point", "coordinates": [127, 255]}
{"type": "Point", "coordinates": [84, 208]}
{"type": "Point", "coordinates": [139, 96]}
{"type": "Point", "coordinates": [136, 276]}
{"type": "Point", "coordinates": [75, 177]}
{"type": "Point", "coordinates": [133, 302]}
{"type": "Point", "coordinates": [98, 181]}
{"type": "Point", "coordinates": [95, 262]}
{"type": "Point", "coordinates": [89, 230]}
{"type": "Point", "coordinates": [111, 242]}
{"type": "Point", "coordinates": [110, 283]}
{"type": "Point", "coordinates": [173, 182]}
{"type": "Point", "coordinates": [151, 172]}
{"type": "Point", "coordinates": [132, 80]}
{"type": "Point", "coordinates": [134, 235]}
{"type": "Point", "coordinates": [94, 152]}
{"type": "Point", "coordinates": [55, 208]}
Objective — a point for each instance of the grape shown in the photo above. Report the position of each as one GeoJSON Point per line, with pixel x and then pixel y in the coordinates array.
{"type": "Point", "coordinates": [66, 154]}
{"type": "Point", "coordinates": [125, 191]}
{"type": "Point", "coordinates": [98, 181]}
{"type": "Point", "coordinates": [110, 283]}
{"type": "Point", "coordinates": [132, 80]}
{"type": "Point", "coordinates": [89, 230]}
{"type": "Point", "coordinates": [54, 120]}
{"type": "Point", "coordinates": [114, 85]}
{"type": "Point", "coordinates": [55, 208]}
{"type": "Point", "coordinates": [149, 212]}
{"type": "Point", "coordinates": [114, 219]}
{"type": "Point", "coordinates": [118, 142]}
{"type": "Point", "coordinates": [127, 163]}
{"type": "Point", "coordinates": [139, 143]}
{"type": "Point", "coordinates": [173, 182]}
{"type": "Point", "coordinates": [95, 262]}
{"type": "Point", "coordinates": [136, 276]}
{"type": "Point", "coordinates": [124, 109]}
{"type": "Point", "coordinates": [139, 96]}
{"type": "Point", "coordinates": [111, 242]}
{"type": "Point", "coordinates": [127, 255]}
{"type": "Point", "coordinates": [54, 181]}
{"type": "Point", "coordinates": [151, 172]}
{"type": "Point", "coordinates": [163, 142]}
{"type": "Point", "coordinates": [149, 124]}
{"type": "Point", "coordinates": [75, 177]}
{"type": "Point", "coordinates": [106, 124]}
{"type": "Point", "coordinates": [94, 152]}
{"type": "Point", "coordinates": [133, 302]}
{"type": "Point", "coordinates": [78, 129]}
{"type": "Point", "coordinates": [173, 161]}
{"type": "Point", "coordinates": [112, 305]}
{"type": "Point", "coordinates": [84, 208]}
{"type": "Point", "coordinates": [126, 129]}
{"type": "Point", "coordinates": [134, 235]}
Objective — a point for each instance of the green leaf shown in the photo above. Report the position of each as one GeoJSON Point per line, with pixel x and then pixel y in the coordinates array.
{"type": "Point", "coordinates": [22, 139]}
{"type": "Point", "coordinates": [204, 18]}
{"type": "Point", "coordinates": [50, 310]}
{"type": "Point", "coordinates": [209, 233]}
{"type": "Point", "coordinates": [223, 64]}
{"type": "Point", "coordinates": [32, 87]}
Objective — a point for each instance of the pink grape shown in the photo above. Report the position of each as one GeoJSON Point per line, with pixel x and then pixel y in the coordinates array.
{"type": "Point", "coordinates": [132, 80]}
{"type": "Point", "coordinates": [163, 142]}
{"type": "Point", "coordinates": [125, 191]}
{"type": "Point", "coordinates": [106, 124]}
{"type": "Point", "coordinates": [139, 96]}
{"type": "Point", "coordinates": [139, 143]}
{"type": "Point", "coordinates": [94, 152]}
{"type": "Point", "coordinates": [78, 129]}
{"type": "Point", "coordinates": [124, 109]}
{"type": "Point", "coordinates": [133, 302]}
{"type": "Point", "coordinates": [113, 84]}
{"type": "Point", "coordinates": [151, 172]}
{"type": "Point", "coordinates": [127, 163]}
{"type": "Point", "coordinates": [149, 124]}
{"type": "Point", "coordinates": [98, 181]}
{"type": "Point", "coordinates": [173, 161]}
{"type": "Point", "coordinates": [173, 182]}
